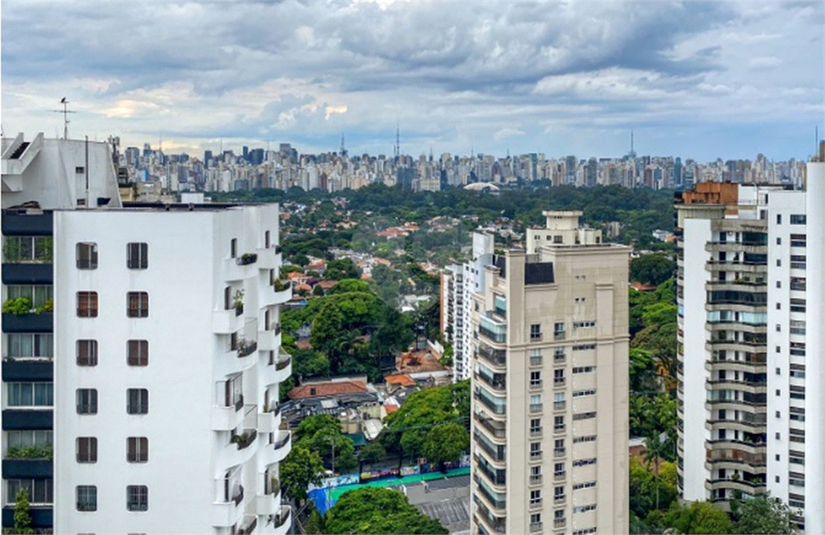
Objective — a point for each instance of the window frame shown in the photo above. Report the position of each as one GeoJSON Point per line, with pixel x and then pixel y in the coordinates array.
{"type": "Point", "coordinates": [86, 256]}
{"type": "Point", "coordinates": [86, 398]}
{"type": "Point", "coordinates": [140, 298]}
{"type": "Point", "coordinates": [86, 450]}
{"type": "Point", "coordinates": [137, 449]}
{"type": "Point", "coordinates": [139, 404]}
{"type": "Point", "coordinates": [137, 498]}
{"type": "Point", "coordinates": [137, 255]}
{"type": "Point", "coordinates": [89, 493]}
{"type": "Point", "coordinates": [137, 353]}
{"type": "Point", "coordinates": [87, 357]}
{"type": "Point", "coordinates": [87, 304]}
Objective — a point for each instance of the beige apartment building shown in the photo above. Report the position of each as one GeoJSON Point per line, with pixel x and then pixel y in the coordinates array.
{"type": "Point", "coordinates": [550, 386]}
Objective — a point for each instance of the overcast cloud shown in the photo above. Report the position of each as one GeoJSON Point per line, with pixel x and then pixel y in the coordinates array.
{"type": "Point", "coordinates": [695, 79]}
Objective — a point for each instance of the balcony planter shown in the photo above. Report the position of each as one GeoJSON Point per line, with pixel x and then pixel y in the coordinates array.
{"type": "Point", "coordinates": [246, 259]}
{"type": "Point", "coordinates": [246, 348]}
{"type": "Point", "coordinates": [283, 363]}
{"type": "Point", "coordinates": [245, 439]}
{"type": "Point", "coordinates": [27, 468]}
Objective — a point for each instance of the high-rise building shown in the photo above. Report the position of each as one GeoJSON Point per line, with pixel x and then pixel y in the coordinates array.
{"type": "Point", "coordinates": [170, 370]}
{"type": "Point", "coordinates": [38, 177]}
{"type": "Point", "coordinates": [457, 283]}
{"type": "Point", "coordinates": [749, 281]}
{"type": "Point", "coordinates": [550, 390]}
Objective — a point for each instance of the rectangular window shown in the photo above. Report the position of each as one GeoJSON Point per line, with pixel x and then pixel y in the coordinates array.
{"type": "Point", "coordinates": [30, 345]}
{"type": "Point", "coordinates": [584, 369]}
{"type": "Point", "coordinates": [535, 426]}
{"type": "Point", "coordinates": [22, 439]}
{"type": "Point", "coordinates": [86, 498]}
{"type": "Point", "coordinates": [27, 249]}
{"type": "Point", "coordinates": [798, 219]}
{"type": "Point", "coordinates": [138, 305]}
{"type": "Point", "coordinates": [39, 295]}
{"type": "Point", "coordinates": [86, 401]}
{"type": "Point", "coordinates": [87, 352]}
{"type": "Point", "coordinates": [137, 498]}
{"type": "Point", "coordinates": [86, 449]}
{"type": "Point", "coordinates": [233, 248]}
{"type": "Point", "coordinates": [778, 219]}
{"type": "Point", "coordinates": [535, 379]}
{"type": "Point", "coordinates": [137, 449]}
{"type": "Point", "coordinates": [86, 256]}
{"type": "Point", "coordinates": [40, 490]}
{"type": "Point", "coordinates": [583, 393]}
{"type": "Point", "coordinates": [137, 255]}
{"type": "Point", "coordinates": [86, 304]}
{"type": "Point", "coordinates": [535, 332]}
{"type": "Point", "coordinates": [137, 401]}
{"type": "Point", "coordinates": [138, 352]}
{"type": "Point", "coordinates": [588, 438]}
{"type": "Point", "coordinates": [30, 394]}
{"type": "Point", "coordinates": [584, 416]}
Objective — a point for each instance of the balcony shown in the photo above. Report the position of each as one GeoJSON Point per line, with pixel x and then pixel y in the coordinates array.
{"type": "Point", "coordinates": [490, 404]}
{"type": "Point", "coordinates": [498, 504]}
{"type": "Point", "coordinates": [494, 476]}
{"type": "Point", "coordinates": [28, 369]}
{"type": "Point", "coordinates": [535, 456]}
{"type": "Point", "coordinates": [282, 290]}
{"type": "Point", "coordinates": [270, 502]}
{"type": "Point", "coordinates": [246, 348]}
{"type": "Point", "coordinates": [559, 358]}
{"type": "Point", "coordinates": [226, 321]}
{"type": "Point", "coordinates": [269, 421]}
{"type": "Point", "coordinates": [282, 522]}
{"type": "Point", "coordinates": [559, 499]}
{"type": "Point", "coordinates": [279, 446]}
{"type": "Point", "coordinates": [559, 523]}
{"type": "Point", "coordinates": [495, 428]}
{"type": "Point", "coordinates": [559, 429]}
{"type": "Point", "coordinates": [535, 503]}
{"type": "Point", "coordinates": [248, 525]}
{"type": "Point", "coordinates": [559, 452]}
{"type": "Point", "coordinates": [28, 273]}
{"type": "Point", "coordinates": [22, 419]}
{"type": "Point", "coordinates": [559, 382]}
{"type": "Point", "coordinates": [559, 476]}
{"type": "Point", "coordinates": [246, 259]}
{"type": "Point", "coordinates": [536, 407]}
{"type": "Point", "coordinates": [497, 382]}
{"type": "Point", "coordinates": [496, 357]}
{"type": "Point", "coordinates": [559, 335]}
{"type": "Point", "coordinates": [28, 323]}
{"type": "Point", "coordinates": [536, 527]}
{"type": "Point", "coordinates": [535, 385]}
{"type": "Point", "coordinates": [498, 525]}
{"type": "Point", "coordinates": [536, 360]}
{"type": "Point", "coordinates": [536, 479]}
{"type": "Point", "coordinates": [245, 439]}
{"type": "Point", "coordinates": [229, 494]}
{"type": "Point", "coordinates": [283, 367]}
{"type": "Point", "coordinates": [27, 468]}
{"type": "Point", "coordinates": [559, 405]}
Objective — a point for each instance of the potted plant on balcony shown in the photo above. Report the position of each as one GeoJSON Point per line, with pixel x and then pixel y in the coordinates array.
{"type": "Point", "coordinates": [247, 258]}
{"type": "Point", "coordinates": [280, 285]}
{"type": "Point", "coordinates": [18, 306]}
{"type": "Point", "coordinates": [238, 302]}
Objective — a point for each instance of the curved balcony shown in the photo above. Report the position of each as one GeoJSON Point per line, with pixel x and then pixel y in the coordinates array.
{"type": "Point", "coordinates": [743, 386]}
{"type": "Point", "coordinates": [227, 418]}
{"type": "Point", "coordinates": [495, 430]}
{"type": "Point", "coordinates": [237, 269]}
{"type": "Point", "coordinates": [283, 367]}
{"type": "Point", "coordinates": [281, 522]}
{"type": "Point", "coordinates": [226, 321]}
{"type": "Point", "coordinates": [267, 341]}
{"type": "Point", "coordinates": [494, 524]}
{"type": "Point", "coordinates": [749, 487]}
{"type": "Point", "coordinates": [744, 447]}
{"type": "Point", "coordinates": [267, 259]}
{"type": "Point", "coordinates": [282, 291]}
{"type": "Point", "coordinates": [269, 503]}
{"type": "Point", "coordinates": [277, 450]}
{"type": "Point", "coordinates": [737, 425]}
{"type": "Point", "coordinates": [229, 496]}
{"type": "Point", "coordinates": [270, 422]}
{"type": "Point", "coordinates": [498, 385]}
{"type": "Point", "coordinates": [497, 358]}
{"type": "Point", "coordinates": [496, 505]}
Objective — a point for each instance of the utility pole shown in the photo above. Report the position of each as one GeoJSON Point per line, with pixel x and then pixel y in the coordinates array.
{"type": "Point", "coordinates": [332, 441]}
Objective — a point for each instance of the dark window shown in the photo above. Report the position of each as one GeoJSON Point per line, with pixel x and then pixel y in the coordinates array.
{"type": "Point", "coordinates": [138, 305]}
{"type": "Point", "coordinates": [86, 401]}
{"type": "Point", "coordinates": [86, 304]}
{"type": "Point", "coordinates": [137, 401]}
{"type": "Point", "coordinates": [86, 498]}
{"type": "Point", "coordinates": [798, 219]}
{"type": "Point", "coordinates": [137, 498]}
{"type": "Point", "coordinates": [535, 332]}
{"type": "Point", "coordinates": [86, 256]}
{"type": "Point", "coordinates": [87, 449]}
{"type": "Point", "coordinates": [137, 255]}
{"type": "Point", "coordinates": [233, 248]}
{"type": "Point", "coordinates": [778, 219]}
{"type": "Point", "coordinates": [138, 352]}
{"type": "Point", "coordinates": [267, 240]}
{"type": "Point", "coordinates": [137, 449]}
{"type": "Point", "coordinates": [87, 352]}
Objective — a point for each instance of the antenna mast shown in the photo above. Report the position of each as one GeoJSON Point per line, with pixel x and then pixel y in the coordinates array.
{"type": "Point", "coordinates": [65, 111]}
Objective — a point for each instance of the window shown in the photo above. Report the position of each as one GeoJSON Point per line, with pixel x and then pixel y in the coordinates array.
{"type": "Point", "coordinates": [38, 295]}
{"type": "Point", "coordinates": [233, 248]}
{"type": "Point", "coordinates": [535, 332]}
{"type": "Point", "coordinates": [584, 416]}
{"type": "Point", "coordinates": [535, 402]}
{"type": "Point", "coordinates": [558, 423]}
{"type": "Point", "coordinates": [778, 219]}
{"type": "Point", "coordinates": [137, 498]}
{"type": "Point", "coordinates": [137, 255]}
{"type": "Point", "coordinates": [584, 369]}
{"type": "Point", "coordinates": [138, 305]}
{"type": "Point", "coordinates": [86, 401]}
{"type": "Point", "coordinates": [25, 249]}
{"type": "Point", "coordinates": [22, 439]}
{"type": "Point", "coordinates": [584, 462]}
{"type": "Point", "coordinates": [583, 393]}
{"type": "Point", "coordinates": [137, 401]}
{"type": "Point", "coordinates": [86, 498]}
{"type": "Point", "coordinates": [585, 485]}
{"type": "Point", "coordinates": [535, 379]}
{"type": "Point", "coordinates": [137, 449]}
{"type": "Point", "coordinates": [87, 352]}
{"type": "Point", "coordinates": [86, 304]}
{"type": "Point", "coordinates": [79, 169]}
{"type": "Point", "coordinates": [535, 497]}
{"type": "Point", "coordinates": [86, 256]}
{"type": "Point", "coordinates": [267, 240]}
{"type": "Point", "coordinates": [30, 345]}
{"type": "Point", "coordinates": [40, 490]}
{"type": "Point", "coordinates": [798, 219]}
{"type": "Point", "coordinates": [778, 241]}
{"type": "Point", "coordinates": [588, 438]}
{"type": "Point", "coordinates": [86, 449]}
{"type": "Point", "coordinates": [30, 394]}
{"type": "Point", "coordinates": [535, 450]}
{"type": "Point", "coordinates": [535, 426]}
{"type": "Point", "coordinates": [584, 508]}
{"type": "Point", "coordinates": [138, 352]}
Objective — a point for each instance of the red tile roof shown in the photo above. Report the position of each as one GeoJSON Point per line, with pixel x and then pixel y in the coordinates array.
{"type": "Point", "coordinates": [400, 379]}
{"type": "Point", "coordinates": [327, 389]}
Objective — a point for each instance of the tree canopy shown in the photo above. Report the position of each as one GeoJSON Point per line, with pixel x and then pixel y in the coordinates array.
{"type": "Point", "coordinates": [763, 515]}
{"type": "Point", "coordinates": [377, 511]}
{"type": "Point", "coordinates": [445, 443]}
{"type": "Point", "coordinates": [321, 433]}
{"type": "Point", "coordinates": [301, 467]}
{"type": "Point", "coordinates": [652, 269]}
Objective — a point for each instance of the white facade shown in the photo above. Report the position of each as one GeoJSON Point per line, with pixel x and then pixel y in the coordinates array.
{"type": "Point", "coordinates": [561, 228]}
{"type": "Point", "coordinates": [212, 371]}
{"type": "Point", "coordinates": [458, 283]}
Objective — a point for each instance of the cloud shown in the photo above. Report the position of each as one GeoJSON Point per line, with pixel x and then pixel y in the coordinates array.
{"type": "Point", "coordinates": [447, 71]}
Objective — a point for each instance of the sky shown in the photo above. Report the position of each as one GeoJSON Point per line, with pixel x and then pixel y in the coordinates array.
{"type": "Point", "coordinates": [701, 80]}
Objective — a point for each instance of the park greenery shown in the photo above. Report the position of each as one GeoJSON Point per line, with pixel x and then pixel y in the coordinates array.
{"type": "Point", "coordinates": [321, 433]}
{"type": "Point", "coordinates": [22, 514]}
{"type": "Point", "coordinates": [424, 419]}
{"type": "Point", "coordinates": [300, 468]}
{"type": "Point", "coordinates": [378, 511]}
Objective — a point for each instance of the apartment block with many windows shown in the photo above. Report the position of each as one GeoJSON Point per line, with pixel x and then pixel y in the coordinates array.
{"type": "Point", "coordinates": [167, 317]}
{"type": "Point", "coordinates": [550, 390]}
{"type": "Point", "coordinates": [749, 279]}
{"type": "Point", "coordinates": [39, 176]}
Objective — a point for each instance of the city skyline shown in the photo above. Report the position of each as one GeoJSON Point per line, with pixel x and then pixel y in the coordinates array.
{"type": "Point", "coordinates": [698, 80]}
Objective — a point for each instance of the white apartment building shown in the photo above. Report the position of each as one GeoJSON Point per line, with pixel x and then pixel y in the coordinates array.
{"type": "Point", "coordinates": [550, 389]}
{"type": "Point", "coordinates": [39, 176]}
{"type": "Point", "coordinates": [458, 282]}
{"type": "Point", "coordinates": [166, 386]}
{"type": "Point", "coordinates": [750, 282]}
{"type": "Point", "coordinates": [562, 227]}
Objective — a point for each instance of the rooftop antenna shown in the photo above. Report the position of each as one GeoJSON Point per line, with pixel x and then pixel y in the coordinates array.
{"type": "Point", "coordinates": [397, 140]}
{"type": "Point", "coordinates": [631, 143]}
{"type": "Point", "coordinates": [343, 150]}
{"type": "Point", "coordinates": [65, 111]}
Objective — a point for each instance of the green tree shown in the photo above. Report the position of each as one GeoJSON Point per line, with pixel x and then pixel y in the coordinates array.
{"type": "Point", "coordinates": [764, 514]}
{"type": "Point", "coordinates": [700, 518]}
{"type": "Point", "coordinates": [315, 523]}
{"type": "Point", "coordinates": [371, 453]}
{"type": "Point", "coordinates": [22, 515]}
{"type": "Point", "coordinates": [322, 433]}
{"type": "Point", "coordinates": [445, 442]}
{"type": "Point", "coordinates": [651, 269]}
{"type": "Point", "coordinates": [300, 468]}
{"type": "Point", "coordinates": [342, 269]}
{"type": "Point", "coordinates": [378, 511]}
{"type": "Point", "coordinates": [326, 329]}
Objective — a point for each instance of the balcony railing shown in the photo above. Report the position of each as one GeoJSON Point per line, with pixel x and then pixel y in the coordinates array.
{"type": "Point", "coordinates": [536, 407]}
{"type": "Point", "coordinates": [535, 503]}
{"type": "Point", "coordinates": [559, 522]}
{"type": "Point", "coordinates": [536, 526]}
{"type": "Point", "coordinates": [559, 405]}
{"type": "Point", "coordinates": [245, 439]}
{"type": "Point", "coordinates": [559, 476]}
{"type": "Point", "coordinates": [281, 518]}
{"type": "Point", "coordinates": [559, 428]}
{"type": "Point", "coordinates": [535, 360]}
{"type": "Point", "coordinates": [535, 432]}
{"type": "Point", "coordinates": [559, 335]}
{"type": "Point", "coordinates": [536, 479]}
{"type": "Point", "coordinates": [535, 384]}
{"type": "Point", "coordinates": [559, 498]}
{"type": "Point", "coordinates": [498, 431]}
{"type": "Point", "coordinates": [558, 382]}
{"type": "Point", "coordinates": [246, 348]}
{"type": "Point", "coordinates": [283, 362]}
{"type": "Point", "coordinates": [246, 259]}
{"type": "Point", "coordinates": [249, 525]}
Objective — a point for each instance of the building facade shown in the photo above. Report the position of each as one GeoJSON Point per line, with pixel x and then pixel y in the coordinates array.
{"type": "Point", "coordinates": [167, 320]}
{"type": "Point", "coordinates": [38, 176]}
{"type": "Point", "coordinates": [549, 435]}
{"type": "Point", "coordinates": [749, 279]}
{"type": "Point", "coordinates": [458, 282]}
